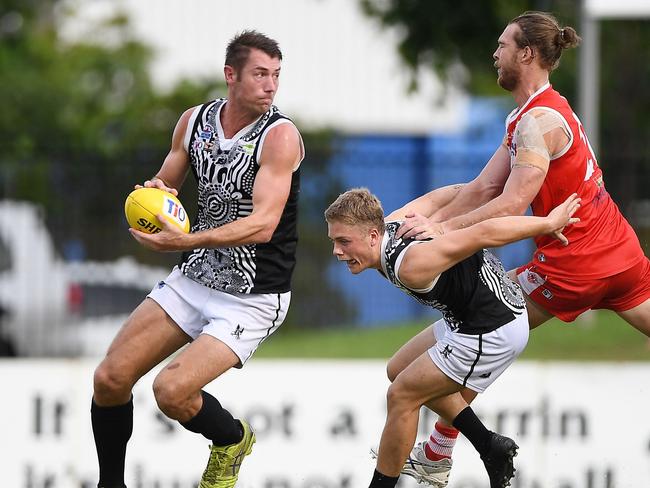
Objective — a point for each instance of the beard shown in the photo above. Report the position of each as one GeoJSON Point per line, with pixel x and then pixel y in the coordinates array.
{"type": "Point", "coordinates": [509, 77]}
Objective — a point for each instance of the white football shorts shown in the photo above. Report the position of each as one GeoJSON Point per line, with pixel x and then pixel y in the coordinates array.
{"type": "Point", "coordinates": [241, 321]}
{"type": "Point", "coordinates": [475, 361]}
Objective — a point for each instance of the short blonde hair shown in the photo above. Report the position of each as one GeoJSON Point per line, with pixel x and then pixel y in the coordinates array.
{"type": "Point", "coordinates": [357, 207]}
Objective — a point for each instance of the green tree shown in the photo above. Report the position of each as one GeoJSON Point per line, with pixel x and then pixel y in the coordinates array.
{"type": "Point", "coordinates": [624, 153]}
{"type": "Point", "coordinates": [443, 34]}
{"type": "Point", "coordinates": [446, 34]}
{"type": "Point", "coordinates": [82, 122]}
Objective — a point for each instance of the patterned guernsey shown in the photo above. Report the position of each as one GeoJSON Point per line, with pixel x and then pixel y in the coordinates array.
{"type": "Point", "coordinates": [475, 296]}
{"type": "Point", "coordinates": [225, 172]}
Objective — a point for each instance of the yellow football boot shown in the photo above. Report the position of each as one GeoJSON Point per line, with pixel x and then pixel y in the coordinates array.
{"type": "Point", "coordinates": [224, 463]}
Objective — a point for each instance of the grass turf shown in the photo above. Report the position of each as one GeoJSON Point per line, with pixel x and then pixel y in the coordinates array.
{"type": "Point", "coordinates": [598, 336]}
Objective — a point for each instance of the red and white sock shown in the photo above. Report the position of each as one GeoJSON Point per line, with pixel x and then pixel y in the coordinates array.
{"type": "Point", "coordinates": [441, 442]}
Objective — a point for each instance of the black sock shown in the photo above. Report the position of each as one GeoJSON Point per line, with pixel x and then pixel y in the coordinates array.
{"type": "Point", "coordinates": [112, 428]}
{"type": "Point", "coordinates": [382, 481]}
{"type": "Point", "coordinates": [471, 427]}
{"type": "Point", "coordinates": [215, 423]}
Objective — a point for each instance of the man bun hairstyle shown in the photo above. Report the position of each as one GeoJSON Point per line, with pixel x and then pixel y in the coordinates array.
{"type": "Point", "coordinates": [240, 47]}
{"type": "Point", "coordinates": [357, 207]}
{"type": "Point", "coordinates": [542, 33]}
{"type": "Point", "coordinates": [569, 38]}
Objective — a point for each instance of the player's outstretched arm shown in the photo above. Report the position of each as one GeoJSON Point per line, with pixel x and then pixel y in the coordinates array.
{"type": "Point", "coordinates": [427, 204]}
{"type": "Point", "coordinates": [424, 262]}
{"type": "Point", "coordinates": [538, 137]}
{"type": "Point", "coordinates": [486, 186]}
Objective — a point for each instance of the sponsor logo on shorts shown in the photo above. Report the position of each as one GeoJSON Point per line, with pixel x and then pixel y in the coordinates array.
{"type": "Point", "coordinates": [547, 293]}
{"type": "Point", "coordinates": [530, 281]}
{"type": "Point", "coordinates": [238, 331]}
{"type": "Point", "coordinates": [486, 375]}
{"type": "Point", "coordinates": [161, 284]}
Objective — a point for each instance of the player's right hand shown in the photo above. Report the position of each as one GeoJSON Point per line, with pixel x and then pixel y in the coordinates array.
{"type": "Point", "coordinates": [170, 238]}
{"type": "Point", "coordinates": [562, 215]}
{"type": "Point", "coordinates": [418, 227]}
{"type": "Point", "coordinates": [158, 183]}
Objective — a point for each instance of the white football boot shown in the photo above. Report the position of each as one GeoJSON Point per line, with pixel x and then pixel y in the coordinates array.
{"type": "Point", "coordinates": [424, 470]}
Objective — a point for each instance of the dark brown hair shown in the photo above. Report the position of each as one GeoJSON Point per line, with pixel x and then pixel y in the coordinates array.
{"type": "Point", "coordinates": [240, 46]}
{"type": "Point", "coordinates": [542, 33]}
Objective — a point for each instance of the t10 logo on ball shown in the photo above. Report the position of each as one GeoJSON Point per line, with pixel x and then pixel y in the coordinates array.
{"type": "Point", "coordinates": [175, 211]}
{"type": "Point", "coordinates": [144, 204]}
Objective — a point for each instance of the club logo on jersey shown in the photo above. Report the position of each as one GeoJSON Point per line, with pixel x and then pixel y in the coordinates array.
{"type": "Point", "coordinates": [600, 196]}
{"type": "Point", "coordinates": [206, 133]}
{"type": "Point", "coordinates": [205, 139]}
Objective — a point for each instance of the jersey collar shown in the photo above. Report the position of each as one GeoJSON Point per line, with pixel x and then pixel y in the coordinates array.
{"type": "Point", "coordinates": [515, 113]}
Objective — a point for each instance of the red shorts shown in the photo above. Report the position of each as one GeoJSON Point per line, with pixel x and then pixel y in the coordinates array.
{"type": "Point", "coordinates": [567, 298]}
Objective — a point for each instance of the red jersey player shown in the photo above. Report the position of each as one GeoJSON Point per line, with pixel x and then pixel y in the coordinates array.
{"type": "Point", "coordinates": [545, 156]}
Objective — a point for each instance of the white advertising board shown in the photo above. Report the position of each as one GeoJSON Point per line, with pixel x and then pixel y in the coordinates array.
{"type": "Point", "coordinates": [578, 426]}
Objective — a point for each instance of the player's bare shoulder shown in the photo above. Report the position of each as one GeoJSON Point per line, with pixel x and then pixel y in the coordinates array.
{"type": "Point", "coordinates": [283, 145]}
{"type": "Point", "coordinates": [180, 130]}
{"type": "Point", "coordinates": [422, 263]}
{"type": "Point", "coordinates": [185, 117]}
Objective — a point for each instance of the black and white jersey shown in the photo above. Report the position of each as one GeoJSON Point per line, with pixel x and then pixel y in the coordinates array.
{"type": "Point", "coordinates": [225, 171]}
{"type": "Point", "coordinates": [475, 295]}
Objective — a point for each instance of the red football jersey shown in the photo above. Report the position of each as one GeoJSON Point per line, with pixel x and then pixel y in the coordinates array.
{"type": "Point", "coordinates": [603, 243]}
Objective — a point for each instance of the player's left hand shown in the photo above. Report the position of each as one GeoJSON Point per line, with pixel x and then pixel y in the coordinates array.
{"type": "Point", "coordinates": [562, 215]}
{"type": "Point", "coordinates": [169, 239]}
{"type": "Point", "coordinates": [419, 227]}
{"type": "Point", "coordinates": [156, 182]}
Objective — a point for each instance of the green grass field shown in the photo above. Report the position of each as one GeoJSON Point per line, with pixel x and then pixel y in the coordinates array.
{"type": "Point", "coordinates": [601, 336]}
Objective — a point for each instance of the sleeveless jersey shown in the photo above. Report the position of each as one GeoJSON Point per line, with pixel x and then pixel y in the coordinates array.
{"type": "Point", "coordinates": [225, 175]}
{"type": "Point", "coordinates": [603, 243]}
{"type": "Point", "coordinates": [475, 295]}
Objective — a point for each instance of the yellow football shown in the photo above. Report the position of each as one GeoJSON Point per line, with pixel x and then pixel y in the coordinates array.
{"type": "Point", "coordinates": [144, 204]}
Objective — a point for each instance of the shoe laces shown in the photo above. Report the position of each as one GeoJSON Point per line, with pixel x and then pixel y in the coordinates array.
{"type": "Point", "coordinates": [220, 462]}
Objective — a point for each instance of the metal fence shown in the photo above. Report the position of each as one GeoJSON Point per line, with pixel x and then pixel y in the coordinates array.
{"type": "Point", "coordinates": [70, 273]}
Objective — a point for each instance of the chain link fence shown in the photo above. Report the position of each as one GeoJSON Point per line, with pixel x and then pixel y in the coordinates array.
{"type": "Point", "coordinates": [70, 273]}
